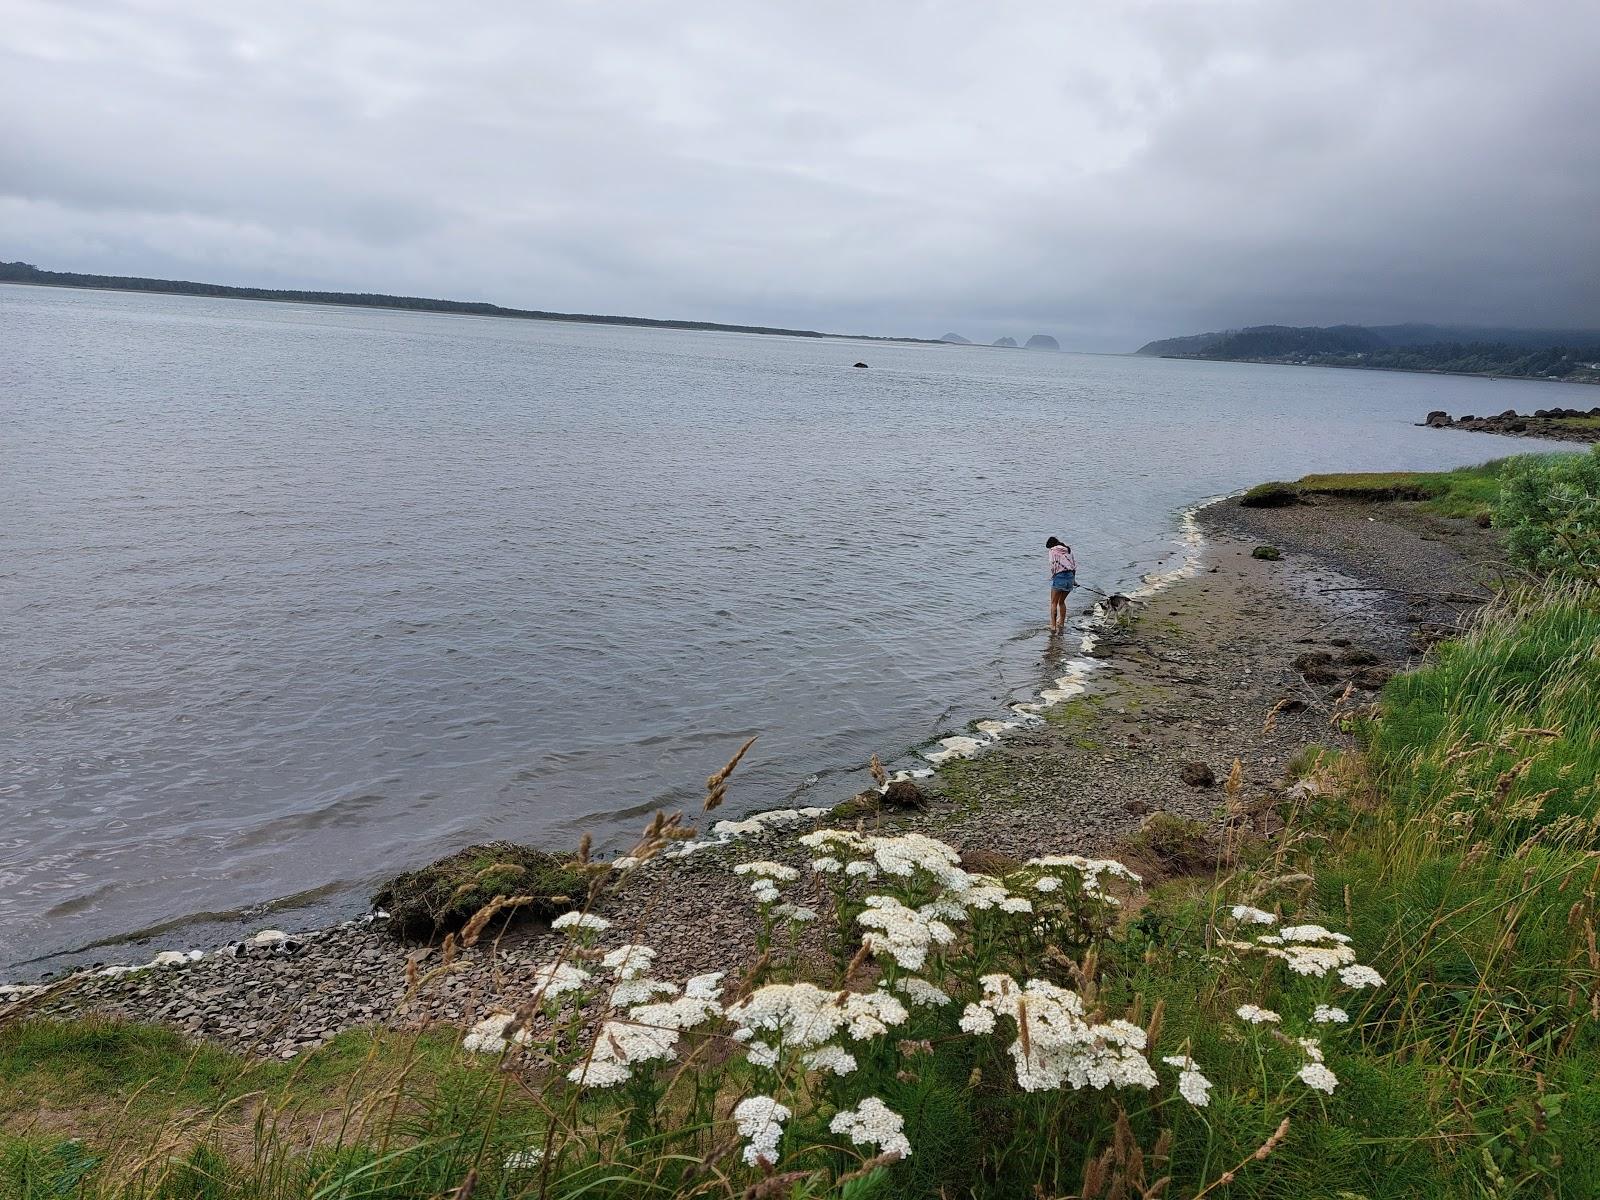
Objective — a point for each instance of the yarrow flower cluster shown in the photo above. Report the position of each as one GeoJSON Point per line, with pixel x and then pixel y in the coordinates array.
{"type": "Point", "coordinates": [1257, 1015]}
{"type": "Point", "coordinates": [1253, 916]}
{"type": "Point", "coordinates": [920, 992]}
{"type": "Point", "coordinates": [1091, 873]}
{"type": "Point", "coordinates": [1360, 977]}
{"type": "Point", "coordinates": [559, 978]}
{"type": "Point", "coordinates": [1315, 1075]}
{"type": "Point", "coordinates": [488, 1036]}
{"type": "Point", "coordinates": [1192, 1085]}
{"type": "Point", "coordinates": [903, 934]}
{"type": "Point", "coordinates": [1062, 1048]}
{"type": "Point", "coordinates": [582, 921]}
{"type": "Point", "coordinates": [873, 1123]}
{"type": "Point", "coordinates": [803, 1017]}
{"type": "Point", "coordinates": [766, 878]}
{"type": "Point", "coordinates": [759, 1120]}
{"type": "Point", "coordinates": [1328, 1015]}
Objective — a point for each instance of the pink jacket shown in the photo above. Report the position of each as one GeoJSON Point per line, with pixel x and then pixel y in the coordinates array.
{"type": "Point", "coordinates": [1062, 559]}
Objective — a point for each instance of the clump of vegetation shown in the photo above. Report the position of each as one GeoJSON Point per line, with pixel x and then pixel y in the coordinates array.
{"type": "Point", "coordinates": [442, 897]}
{"type": "Point", "coordinates": [1549, 506]}
{"type": "Point", "coordinates": [1271, 495]}
{"type": "Point", "coordinates": [1468, 493]}
{"type": "Point", "coordinates": [1267, 553]}
{"type": "Point", "coordinates": [1177, 845]}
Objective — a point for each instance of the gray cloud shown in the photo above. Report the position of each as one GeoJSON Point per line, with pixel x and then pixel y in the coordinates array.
{"type": "Point", "coordinates": [1107, 172]}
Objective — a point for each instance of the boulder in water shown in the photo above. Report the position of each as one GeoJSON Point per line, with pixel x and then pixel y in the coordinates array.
{"type": "Point", "coordinates": [1043, 341]}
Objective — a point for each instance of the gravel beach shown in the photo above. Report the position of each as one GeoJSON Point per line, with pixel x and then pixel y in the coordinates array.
{"type": "Point", "coordinates": [1359, 590]}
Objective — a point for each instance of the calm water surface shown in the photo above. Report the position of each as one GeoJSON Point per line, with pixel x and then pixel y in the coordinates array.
{"type": "Point", "coordinates": [293, 596]}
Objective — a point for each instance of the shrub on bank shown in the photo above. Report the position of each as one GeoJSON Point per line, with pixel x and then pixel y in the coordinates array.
{"type": "Point", "coordinates": [1549, 506]}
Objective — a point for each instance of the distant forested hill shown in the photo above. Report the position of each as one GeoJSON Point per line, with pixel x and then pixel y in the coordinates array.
{"type": "Point", "coordinates": [1571, 354]}
{"type": "Point", "coordinates": [21, 272]}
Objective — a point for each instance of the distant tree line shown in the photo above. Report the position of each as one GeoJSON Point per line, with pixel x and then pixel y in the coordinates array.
{"type": "Point", "coordinates": [21, 272]}
{"type": "Point", "coordinates": [1388, 348]}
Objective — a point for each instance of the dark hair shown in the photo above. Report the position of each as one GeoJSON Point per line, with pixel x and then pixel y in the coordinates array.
{"type": "Point", "coordinates": [1052, 543]}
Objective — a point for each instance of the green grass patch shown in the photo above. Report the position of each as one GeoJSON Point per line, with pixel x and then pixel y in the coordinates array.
{"type": "Point", "coordinates": [1468, 492]}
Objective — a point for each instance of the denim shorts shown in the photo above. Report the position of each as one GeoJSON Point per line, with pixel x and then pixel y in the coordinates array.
{"type": "Point", "coordinates": [1063, 581]}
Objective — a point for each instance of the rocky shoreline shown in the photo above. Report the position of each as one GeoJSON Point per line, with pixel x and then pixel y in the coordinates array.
{"type": "Point", "coordinates": [1556, 424]}
{"type": "Point", "coordinates": [1249, 659]}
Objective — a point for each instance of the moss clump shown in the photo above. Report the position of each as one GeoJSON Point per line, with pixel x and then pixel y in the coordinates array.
{"type": "Point", "coordinates": [1178, 845]}
{"type": "Point", "coordinates": [1276, 494]}
{"type": "Point", "coordinates": [441, 897]}
{"type": "Point", "coordinates": [1267, 553]}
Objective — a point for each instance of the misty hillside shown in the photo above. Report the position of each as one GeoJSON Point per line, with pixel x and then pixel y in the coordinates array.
{"type": "Point", "coordinates": [1261, 341]}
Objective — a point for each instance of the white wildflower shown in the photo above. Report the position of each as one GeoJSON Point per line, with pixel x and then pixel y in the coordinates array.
{"type": "Point", "coordinates": [683, 1013]}
{"type": "Point", "coordinates": [826, 865]}
{"type": "Point", "coordinates": [1046, 883]}
{"type": "Point", "coordinates": [1063, 1047]}
{"type": "Point", "coordinates": [1312, 1048]}
{"type": "Point", "coordinates": [760, 1120]}
{"type": "Point", "coordinates": [1016, 904]}
{"type": "Point", "coordinates": [1089, 870]}
{"type": "Point", "coordinates": [704, 987]}
{"type": "Point", "coordinates": [912, 852]}
{"type": "Point", "coordinates": [768, 870]}
{"type": "Point", "coordinates": [900, 932]}
{"type": "Point", "coordinates": [797, 913]}
{"type": "Point", "coordinates": [1360, 976]}
{"type": "Point", "coordinates": [872, 1123]}
{"type": "Point", "coordinates": [1315, 1075]}
{"type": "Point", "coordinates": [618, 1047]}
{"type": "Point", "coordinates": [1192, 1085]}
{"type": "Point", "coordinates": [524, 1160]}
{"type": "Point", "coordinates": [1327, 1015]}
{"type": "Point", "coordinates": [830, 1058]}
{"type": "Point", "coordinates": [765, 891]}
{"type": "Point", "coordinates": [558, 978]}
{"type": "Point", "coordinates": [579, 920]}
{"type": "Point", "coordinates": [975, 1018]}
{"type": "Point", "coordinates": [1313, 960]}
{"type": "Point", "coordinates": [639, 991]}
{"type": "Point", "coordinates": [1257, 1015]}
{"type": "Point", "coordinates": [950, 907]}
{"type": "Point", "coordinates": [805, 1017]}
{"type": "Point", "coordinates": [627, 961]}
{"type": "Point", "coordinates": [835, 839]}
{"type": "Point", "coordinates": [761, 1054]}
{"type": "Point", "coordinates": [488, 1036]}
{"type": "Point", "coordinates": [920, 992]}
{"type": "Point", "coordinates": [1253, 916]}
{"type": "Point", "coordinates": [1310, 933]}
{"type": "Point", "coordinates": [863, 870]}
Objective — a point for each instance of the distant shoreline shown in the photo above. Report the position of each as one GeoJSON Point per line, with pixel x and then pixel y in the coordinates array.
{"type": "Point", "coordinates": [1277, 362]}
{"type": "Point", "coordinates": [30, 276]}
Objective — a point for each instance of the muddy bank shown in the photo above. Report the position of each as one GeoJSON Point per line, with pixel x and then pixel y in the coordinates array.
{"type": "Point", "coordinates": [1357, 591]}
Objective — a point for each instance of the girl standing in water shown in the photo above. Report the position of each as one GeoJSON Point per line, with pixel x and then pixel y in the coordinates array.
{"type": "Point", "coordinates": [1063, 578]}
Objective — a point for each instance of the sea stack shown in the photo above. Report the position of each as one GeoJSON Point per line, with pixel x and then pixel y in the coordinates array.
{"type": "Point", "coordinates": [1043, 341]}
{"type": "Point", "coordinates": [957, 339]}
{"type": "Point", "coordinates": [1010, 343]}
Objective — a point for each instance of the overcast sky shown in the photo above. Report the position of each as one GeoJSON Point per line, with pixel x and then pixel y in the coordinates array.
{"type": "Point", "coordinates": [1105, 172]}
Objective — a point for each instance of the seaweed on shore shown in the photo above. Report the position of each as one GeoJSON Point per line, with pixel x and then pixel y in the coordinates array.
{"type": "Point", "coordinates": [441, 897]}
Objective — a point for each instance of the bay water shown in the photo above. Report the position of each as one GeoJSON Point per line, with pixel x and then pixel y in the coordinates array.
{"type": "Point", "coordinates": [293, 597]}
